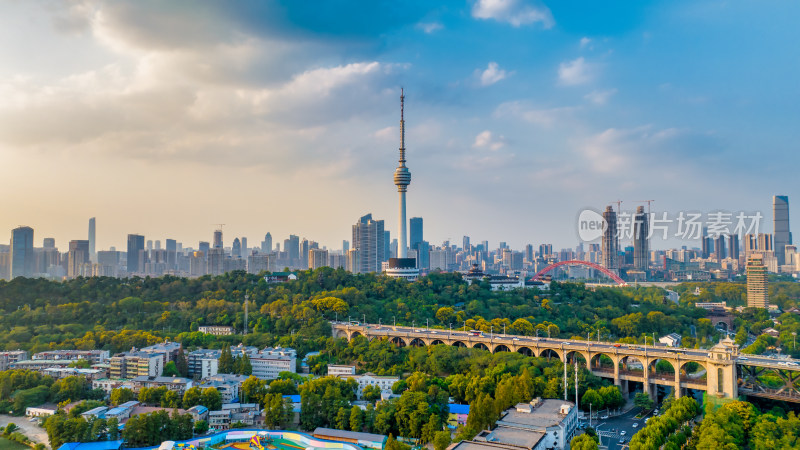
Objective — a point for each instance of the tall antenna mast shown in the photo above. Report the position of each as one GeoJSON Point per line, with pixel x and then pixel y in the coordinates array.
{"type": "Point", "coordinates": [402, 178]}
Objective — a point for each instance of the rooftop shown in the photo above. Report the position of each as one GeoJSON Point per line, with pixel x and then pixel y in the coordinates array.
{"type": "Point", "coordinates": [513, 436]}
{"type": "Point", "coordinates": [456, 408]}
{"type": "Point", "coordinates": [101, 445]}
{"type": "Point", "coordinates": [546, 414]}
{"type": "Point", "coordinates": [476, 445]}
{"type": "Point", "coordinates": [330, 432]}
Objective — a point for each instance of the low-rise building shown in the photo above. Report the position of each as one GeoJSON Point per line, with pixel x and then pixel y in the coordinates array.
{"type": "Point", "coordinates": [246, 413]}
{"type": "Point", "coordinates": [109, 384]}
{"type": "Point", "coordinates": [556, 420]}
{"type": "Point", "coordinates": [336, 370]}
{"type": "Point", "coordinates": [121, 412]}
{"type": "Point", "coordinates": [13, 356]}
{"type": "Point", "coordinates": [228, 385]}
{"type": "Point", "coordinates": [95, 413]}
{"type": "Point", "coordinates": [39, 365]}
{"type": "Point", "coordinates": [671, 340]}
{"type": "Point", "coordinates": [177, 384]}
{"type": "Point", "coordinates": [168, 350]}
{"type": "Point", "coordinates": [365, 440]}
{"type": "Point", "coordinates": [457, 415]}
{"type": "Point", "coordinates": [89, 374]}
{"type": "Point", "coordinates": [219, 420]}
{"type": "Point", "coordinates": [93, 356]}
{"type": "Point", "coordinates": [45, 410]}
{"type": "Point", "coordinates": [270, 362]}
{"type": "Point", "coordinates": [216, 330]}
{"type": "Point", "coordinates": [370, 379]}
{"type": "Point", "coordinates": [198, 412]}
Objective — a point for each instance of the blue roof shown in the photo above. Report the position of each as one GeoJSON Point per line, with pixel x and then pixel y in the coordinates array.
{"type": "Point", "coordinates": [294, 398]}
{"type": "Point", "coordinates": [100, 445]}
{"type": "Point", "coordinates": [456, 408]}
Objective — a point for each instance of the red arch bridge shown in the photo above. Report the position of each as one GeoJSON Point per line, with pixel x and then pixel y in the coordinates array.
{"type": "Point", "coordinates": [575, 262]}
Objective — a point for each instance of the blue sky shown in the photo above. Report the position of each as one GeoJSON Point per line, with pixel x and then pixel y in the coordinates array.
{"type": "Point", "coordinates": [166, 118]}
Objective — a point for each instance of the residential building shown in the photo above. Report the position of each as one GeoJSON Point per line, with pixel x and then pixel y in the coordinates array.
{"type": "Point", "coordinates": [177, 384]}
{"type": "Point", "coordinates": [136, 255]}
{"type": "Point", "coordinates": [317, 258]}
{"type": "Point", "coordinates": [216, 330]}
{"type": "Point", "coordinates": [92, 240]}
{"type": "Point", "coordinates": [610, 241]}
{"type": "Point", "coordinates": [136, 363]}
{"type": "Point", "coordinates": [270, 362]}
{"type": "Point", "coordinates": [228, 385]}
{"type": "Point", "coordinates": [168, 350]}
{"type": "Point", "coordinates": [9, 357]}
{"type": "Point", "coordinates": [93, 356]}
{"type": "Point", "coordinates": [370, 379]}
{"type": "Point", "coordinates": [219, 420]}
{"type": "Point", "coordinates": [641, 240]}
{"type": "Point", "coordinates": [203, 363]}
{"type": "Point", "coordinates": [756, 282]}
{"type": "Point", "coordinates": [671, 340]}
{"type": "Point", "coordinates": [457, 415]}
{"type": "Point", "coordinates": [368, 241]}
{"type": "Point", "coordinates": [336, 370]}
{"type": "Point", "coordinates": [781, 231]}
{"type": "Point", "coordinates": [78, 258]}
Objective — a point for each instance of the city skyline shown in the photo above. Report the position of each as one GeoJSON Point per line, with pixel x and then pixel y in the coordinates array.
{"type": "Point", "coordinates": [269, 118]}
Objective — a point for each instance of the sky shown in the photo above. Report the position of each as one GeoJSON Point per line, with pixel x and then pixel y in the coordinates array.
{"type": "Point", "coordinates": [167, 118]}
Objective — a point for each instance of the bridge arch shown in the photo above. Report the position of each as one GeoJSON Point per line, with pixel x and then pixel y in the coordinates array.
{"type": "Point", "coordinates": [481, 346]}
{"type": "Point", "coordinates": [631, 364]}
{"type": "Point", "coordinates": [341, 334]}
{"type": "Point", "coordinates": [603, 362]}
{"type": "Point", "coordinates": [696, 371]}
{"type": "Point", "coordinates": [437, 342]}
{"type": "Point", "coordinates": [525, 351]}
{"type": "Point", "coordinates": [458, 344]}
{"type": "Point", "coordinates": [355, 334]}
{"type": "Point", "coordinates": [578, 355]}
{"type": "Point", "coordinates": [501, 348]}
{"type": "Point", "coordinates": [417, 342]}
{"type": "Point", "coordinates": [551, 353]}
{"type": "Point", "coordinates": [575, 262]}
{"type": "Point", "coordinates": [661, 367]}
{"type": "Point", "coordinates": [398, 341]}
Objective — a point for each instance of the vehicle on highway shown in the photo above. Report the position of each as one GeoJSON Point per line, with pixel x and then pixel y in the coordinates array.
{"type": "Point", "coordinates": [515, 339]}
{"type": "Point", "coordinates": [645, 420]}
{"type": "Point", "coordinates": [635, 425]}
{"type": "Point", "coordinates": [604, 417]}
{"type": "Point", "coordinates": [617, 345]}
{"type": "Point", "coordinates": [475, 333]}
{"type": "Point", "coordinates": [743, 358]}
{"type": "Point", "coordinates": [622, 433]}
{"type": "Point", "coordinates": [621, 440]}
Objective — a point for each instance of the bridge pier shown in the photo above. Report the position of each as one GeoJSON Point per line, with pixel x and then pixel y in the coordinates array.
{"type": "Point", "coordinates": [678, 382]}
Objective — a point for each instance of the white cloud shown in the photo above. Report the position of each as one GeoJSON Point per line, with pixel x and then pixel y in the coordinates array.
{"type": "Point", "coordinates": [544, 117]}
{"type": "Point", "coordinates": [514, 12]}
{"type": "Point", "coordinates": [491, 75]}
{"type": "Point", "coordinates": [575, 72]}
{"type": "Point", "coordinates": [600, 97]}
{"type": "Point", "coordinates": [585, 42]}
{"type": "Point", "coordinates": [430, 27]}
{"type": "Point", "coordinates": [486, 140]}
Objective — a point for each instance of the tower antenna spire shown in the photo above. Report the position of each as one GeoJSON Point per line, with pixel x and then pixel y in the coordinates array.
{"type": "Point", "coordinates": [402, 129]}
{"type": "Point", "coordinates": [402, 178]}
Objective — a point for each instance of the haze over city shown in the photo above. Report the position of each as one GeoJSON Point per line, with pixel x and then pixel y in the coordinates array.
{"type": "Point", "coordinates": [271, 117]}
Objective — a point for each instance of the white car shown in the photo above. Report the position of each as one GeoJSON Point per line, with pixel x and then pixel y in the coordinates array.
{"type": "Point", "coordinates": [622, 433]}
{"type": "Point", "coordinates": [635, 425]}
{"type": "Point", "coordinates": [603, 417]}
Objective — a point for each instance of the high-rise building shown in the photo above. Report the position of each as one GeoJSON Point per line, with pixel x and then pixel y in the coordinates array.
{"type": "Point", "coordinates": [203, 246]}
{"type": "Point", "coordinates": [292, 248]}
{"type": "Point", "coordinates": [765, 242]}
{"type": "Point", "coordinates": [236, 250]}
{"type": "Point", "coordinates": [245, 251]}
{"type": "Point", "coordinates": [610, 243]}
{"type": "Point", "coordinates": [641, 241]}
{"type": "Point", "coordinates": [266, 245]}
{"type": "Point", "coordinates": [465, 244]}
{"type": "Point", "coordinates": [345, 246]}
{"type": "Point", "coordinates": [78, 258]}
{"type": "Point", "coordinates": [529, 253]}
{"type": "Point", "coordinates": [781, 231]}
{"type": "Point", "coordinates": [545, 250]}
{"type": "Point", "coordinates": [218, 238]}
{"type": "Point", "coordinates": [216, 261]}
{"type": "Point", "coordinates": [415, 232]}
{"type": "Point", "coordinates": [135, 253]}
{"type": "Point", "coordinates": [368, 236]}
{"type": "Point", "coordinates": [23, 260]}
{"type": "Point", "coordinates": [706, 244]}
{"type": "Point", "coordinates": [317, 258]}
{"type": "Point", "coordinates": [756, 282]}
{"type": "Point", "coordinates": [49, 243]}
{"type": "Point", "coordinates": [92, 240]}
{"type": "Point", "coordinates": [172, 254]}
{"type": "Point", "coordinates": [719, 247]}
{"type": "Point", "coordinates": [733, 246]}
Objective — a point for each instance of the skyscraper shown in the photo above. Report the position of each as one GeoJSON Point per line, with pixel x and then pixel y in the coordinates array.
{"type": "Point", "coordinates": [368, 236]}
{"type": "Point", "coordinates": [415, 231]}
{"type": "Point", "coordinates": [641, 241]}
{"type": "Point", "coordinates": [236, 249]}
{"type": "Point", "coordinates": [23, 260]}
{"type": "Point", "coordinates": [719, 247]}
{"type": "Point", "coordinates": [756, 282]}
{"type": "Point", "coordinates": [610, 243]}
{"type": "Point", "coordinates": [78, 256]}
{"type": "Point", "coordinates": [49, 243]}
{"type": "Point", "coordinates": [733, 246]}
{"type": "Point", "coordinates": [780, 221]}
{"type": "Point", "coordinates": [135, 253]}
{"type": "Point", "coordinates": [218, 238]}
{"type": "Point", "coordinates": [266, 246]}
{"type": "Point", "coordinates": [92, 240]}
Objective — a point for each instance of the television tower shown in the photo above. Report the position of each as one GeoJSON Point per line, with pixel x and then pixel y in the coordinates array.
{"type": "Point", "coordinates": [402, 178]}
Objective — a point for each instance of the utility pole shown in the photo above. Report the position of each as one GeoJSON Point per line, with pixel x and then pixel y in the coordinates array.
{"type": "Point", "coordinates": [576, 384]}
{"type": "Point", "coordinates": [565, 380]}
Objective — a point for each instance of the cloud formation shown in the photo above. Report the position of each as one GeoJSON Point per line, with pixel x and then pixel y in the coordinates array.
{"type": "Point", "coordinates": [514, 12]}
{"type": "Point", "coordinates": [491, 75]}
{"type": "Point", "coordinates": [575, 72]}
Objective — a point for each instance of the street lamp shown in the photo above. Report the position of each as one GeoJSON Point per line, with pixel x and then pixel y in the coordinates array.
{"type": "Point", "coordinates": [394, 321]}
{"type": "Point", "coordinates": [794, 340]}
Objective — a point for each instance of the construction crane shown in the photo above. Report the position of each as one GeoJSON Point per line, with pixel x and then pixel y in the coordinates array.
{"type": "Point", "coordinates": [619, 204]}
{"type": "Point", "coordinates": [219, 226]}
{"type": "Point", "coordinates": [645, 201]}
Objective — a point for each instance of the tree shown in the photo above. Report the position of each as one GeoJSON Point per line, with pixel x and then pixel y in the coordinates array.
{"type": "Point", "coordinates": [643, 401]}
{"type": "Point", "coordinates": [192, 396]}
{"type": "Point", "coordinates": [170, 370]}
{"type": "Point", "coordinates": [441, 440]}
{"type": "Point", "coordinates": [592, 400]}
{"type": "Point", "coordinates": [356, 419]}
{"type": "Point", "coordinates": [181, 364]}
{"type": "Point", "coordinates": [170, 399]}
{"type": "Point", "coordinates": [343, 418]}
{"type": "Point", "coordinates": [121, 395]}
{"type": "Point", "coordinates": [113, 429]}
{"type": "Point", "coordinates": [583, 442]}
{"type": "Point", "coordinates": [211, 399]}
{"type": "Point", "coordinates": [225, 364]}
{"type": "Point", "coordinates": [200, 427]}
{"type": "Point", "coordinates": [445, 315]}
{"type": "Point", "coordinates": [371, 393]}
{"type": "Point", "coordinates": [242, 366]}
